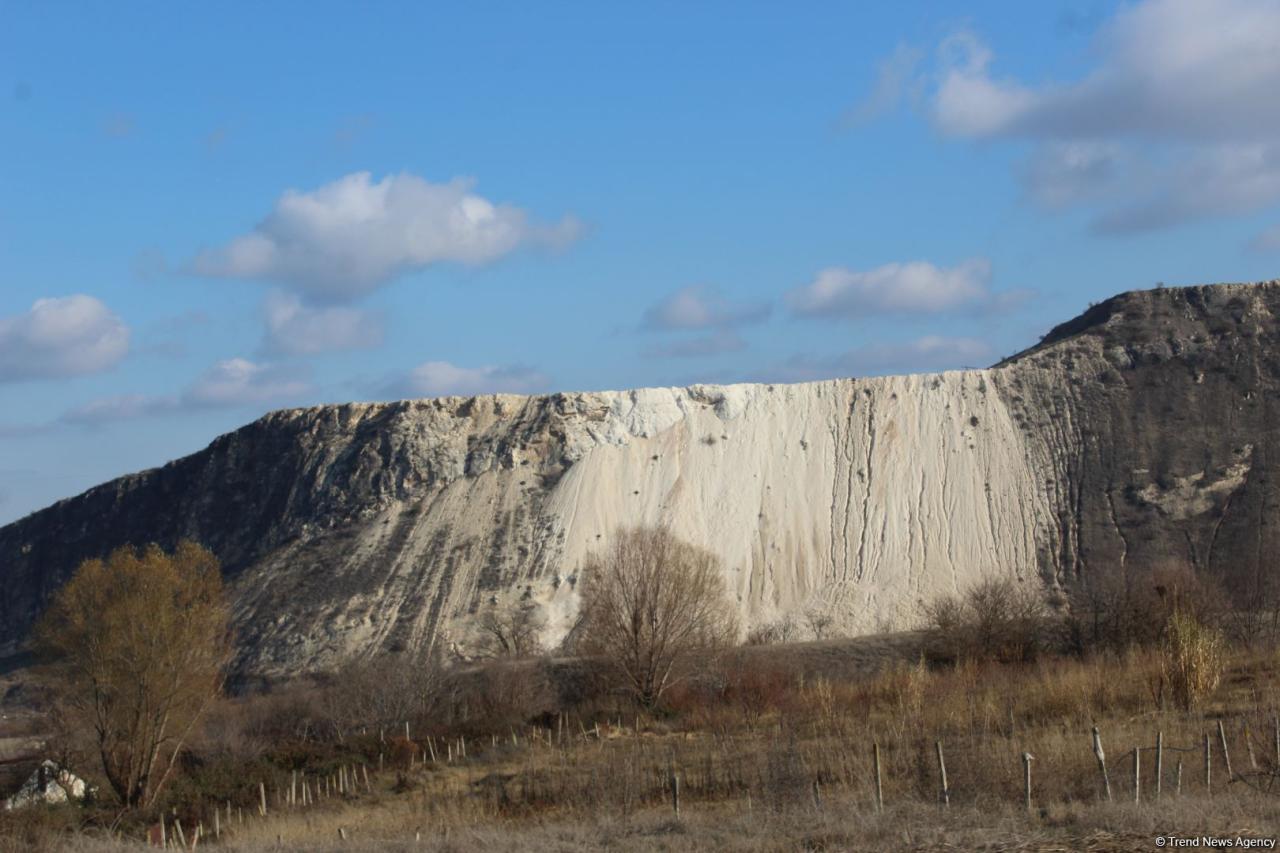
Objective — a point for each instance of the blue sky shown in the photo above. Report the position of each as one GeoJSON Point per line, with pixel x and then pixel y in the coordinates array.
{"type": "Point", "coordinates": [212, 210]}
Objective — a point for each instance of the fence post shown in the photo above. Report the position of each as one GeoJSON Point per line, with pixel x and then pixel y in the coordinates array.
{"type": "Point", "coordinates": [1027, 758]}
{"type": "Point", "coordinates": [675, 792]}
{"type": "Point", "coordinates": [262, 798]}
{"type": "Point", "coordinates": [1208, 764]}
{"type": "Point", "coordinates": [1159, 761]}
{"type": "Point", "coordinates": [1248, 745]}
{"type": "Point", "coordinates": [1137, 774]}
{"type": "Point", "coordinates": [1226, 758]}
{"type": "Point", "coordinates": [1102, 762]}
{"type": "Point", "coordinates": [875, 761]}
{"type": "Point", "coordinates": [942, 772]}
{"type": "Point", "coordinates": [1177, 790]}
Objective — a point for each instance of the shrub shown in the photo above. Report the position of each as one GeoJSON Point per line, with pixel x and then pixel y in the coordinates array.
{"type": "Point", "coordinates": [139, 643]}
{"type": "Point", "coordinates": [997, 619]}
{"type": "Point", "coordinates": [654, 610]}
{"type": "Point", "coordinates": [1116, 610]}
{"type": "Point", "coordinates": [1192, 659]}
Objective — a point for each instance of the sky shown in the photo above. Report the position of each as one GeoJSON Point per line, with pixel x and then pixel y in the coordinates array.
{"type": "Point", "coordinates": [209, 211]}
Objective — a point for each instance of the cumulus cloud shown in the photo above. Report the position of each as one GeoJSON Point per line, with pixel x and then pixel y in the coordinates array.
{"type": "Point", "coordinates": [231, 383]}
{"type": "Point", "coordinates": [60, 337]}
{"type": "Point", "coordinates": [895, 76]}
{"type": "Point", "coordinates": [928, 353]}
{"type": "Point", "coordinates": [295, 328]}
{"type": "Point", "coordinates": [348, 237]}
{"type": "Point", "coordinates": [238, 382]}
{"type": "Point", "coordinates": [916, 287]}
{"type": "Point", "coordinates": [701, 307]}
{"type": "Point", "coordinates": [1177, 119]}
{"type": "Point", "coordinates": [703, 346]}
{"type": "Point", "coordinates": [442, 379]}
{"type": "Point", "coordinates": [1060, 174]}
{"type": "Point", "coordinates": [1184, 68]}
{"type": "Point", "coordinates": [122, 407]}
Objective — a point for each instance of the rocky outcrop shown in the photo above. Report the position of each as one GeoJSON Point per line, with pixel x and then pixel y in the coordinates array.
{"type": "Point", "coordinates": [1136, 435]}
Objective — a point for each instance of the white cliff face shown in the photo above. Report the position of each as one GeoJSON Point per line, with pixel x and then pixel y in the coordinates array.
{"type": "Point", "coordinates": [857, 499]}
{"type": "Point", "coordinates": [1135, 436]}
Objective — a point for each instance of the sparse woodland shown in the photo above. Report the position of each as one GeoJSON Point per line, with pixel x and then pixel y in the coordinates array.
{"type": "Point", "coordinates": [1139, 707]}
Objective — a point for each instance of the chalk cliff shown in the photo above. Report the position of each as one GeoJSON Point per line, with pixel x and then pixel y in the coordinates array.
{"type": "Point", "coordinates": [1139, 434]}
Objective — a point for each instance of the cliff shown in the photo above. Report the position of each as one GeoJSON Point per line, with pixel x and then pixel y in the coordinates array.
{"type": "Point", "coordinates": [1134, 436]}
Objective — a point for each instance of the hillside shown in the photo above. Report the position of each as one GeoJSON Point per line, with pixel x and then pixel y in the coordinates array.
{"type": "Point", "coordinates": [1135, 435]}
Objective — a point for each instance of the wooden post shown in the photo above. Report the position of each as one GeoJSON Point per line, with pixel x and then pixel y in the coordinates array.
{"type": "Point", "coordinates": [1248, 745]}
{"type": "Point", "coordinates": [1159, 761]}
{"type": "Point", "coordinates": [364, 768]}
{"type": "Point", "coordinates": [177, 830]}
{"type": "Point", "coordinates": [1137, 774]}
{"type": "Point", "coordinates": [1102, 762]}
{"type": "Point", "coordinates": [675, 792]}
{"type": "Point", "coordinates": [1027, 758]}
{"type": "Point", "coordinates": [1208, 764]}
{"type": "Point", "coordinates": [342, 833]}
{"type": "Point", "coordinates": [817, 796]}
{"type": "Point", "coordinates": [1226, 758]}
{"type": "Point", "coordinates": [406, 730]}
{"type": "Point", "coordinates": [875, 762]}
{"type": "Point", "coordinates": [164, 840]}
{"type": "Point", "coordinates": [431, 745]}
{"type": "Point", "coordinates": [262, 798]}
{"type": "Point", "coordinates": [293, 788]}
{"type": "Point", "coordinates": [217, 824]}
{"type": "Point", "coordinates": [942, 773]}
{"type": "Point", "coordinates": [1177, 788]}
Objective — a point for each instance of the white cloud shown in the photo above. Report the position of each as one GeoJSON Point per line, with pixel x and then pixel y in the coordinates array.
{"type": "Point", "coordinates": [348, 237]}
{"type": "Point", "coordinates": [1188, 68]}
{"type": "Point", "coordinates": [716, 343]}
{"type": "Point", "coordinates": [1060, 174]}
{"type": "Point", "coordinates": [1268, 240]}
{"type": "Point", "coordinates": [1177, 120]}
{"type": "Point", "coordinates": [59, 337]}
{"type": "Point", "coordinates": [928, 353]}
{"type": "Point", "coordinates": [123, 407]}
{"type": "Point", "coordinates": [295, 328]}
{"type": "Point", "coordinates": [701, 307]}
{"type": "Point", "coordinates": [916, 287]}
{"type": "Point", "coordinates": [238, 382]}
{"type": "Point", "coordinates": [442, 379]}
{"type": "Point", "coordinates": [231, 383]}
{"type": "Point", "coordinates": [895, 76]}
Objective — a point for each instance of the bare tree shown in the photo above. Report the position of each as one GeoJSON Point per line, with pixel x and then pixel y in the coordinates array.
{"type": "Point", "coordinates": [654, 608]}
{"type": "Point", "coordinates": [510, 632]}
{"type": "Point", "coordinates": [997, 618]}
{"type": "Point", "coordinates": [139, 643]}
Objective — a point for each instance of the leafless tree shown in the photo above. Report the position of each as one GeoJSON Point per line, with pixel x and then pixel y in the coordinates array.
{"type": "Point", "coordinates": [654, 610]}
{"type": "Point", "coordinates": [510, 632]}
{"type": "Point", "coordinates": [139, 643]}
{"type": "Point", "coordinates": [998, 618]}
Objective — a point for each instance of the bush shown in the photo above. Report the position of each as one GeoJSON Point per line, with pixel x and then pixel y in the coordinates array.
{"type": "Point", "coordinates": [655, 611]}
{"type": "Point", "coordinates": [1191, 659]}
{"type": "Point", "coordinates": [998, 619]}
{"type": "Point", "coordinates": [1116, 610]}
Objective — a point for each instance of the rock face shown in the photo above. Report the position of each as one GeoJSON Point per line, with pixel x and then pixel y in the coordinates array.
{"type": "Point", "coordinates": [1138, 435]}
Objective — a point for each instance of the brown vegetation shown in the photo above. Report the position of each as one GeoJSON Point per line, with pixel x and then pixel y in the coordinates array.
{"type": "Point", "coordinates": [653, 608]}
{"type": "Point", "coordinates": [138, 643]}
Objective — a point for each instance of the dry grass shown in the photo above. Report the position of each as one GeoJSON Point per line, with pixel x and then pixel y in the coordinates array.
{"type": "Point", "coordinates": [771, 756]}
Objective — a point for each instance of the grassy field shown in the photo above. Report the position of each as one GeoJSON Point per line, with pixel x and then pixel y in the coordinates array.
{"type": "Point", "coordinates": [775, 753]}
